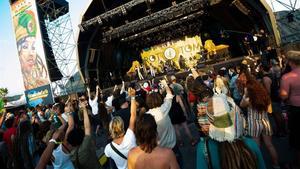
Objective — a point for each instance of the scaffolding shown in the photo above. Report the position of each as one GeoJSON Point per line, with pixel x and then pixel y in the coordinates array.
{"type": "Point", "coordinates": [57, 20]}
{"type": "Point", "coordinates": [288, 21]}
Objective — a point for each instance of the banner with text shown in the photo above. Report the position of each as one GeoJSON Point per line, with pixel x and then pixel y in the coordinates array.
{"type": "Point", "coordinates": [41, 95]}
{"type": "Point", "coordinates": [185, 50]}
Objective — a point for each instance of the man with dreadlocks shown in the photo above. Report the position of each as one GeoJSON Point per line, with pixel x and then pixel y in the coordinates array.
{"type": "Point", "coordinates": [224, 147]}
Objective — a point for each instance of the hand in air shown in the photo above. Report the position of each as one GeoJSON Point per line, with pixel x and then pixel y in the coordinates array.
{"type": "Point", "coordinates": [131, 92]}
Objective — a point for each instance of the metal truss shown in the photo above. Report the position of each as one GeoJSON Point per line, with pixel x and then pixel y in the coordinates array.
{"type": "Point", "coordinates": [291, 6]}
{"type": "Point", "coordinates": [109, 14]}
{"type": "Point", "coordinates": [164, 26]}
{"type": "Point", "coordinates": [165, 15]}
{"type": "Point", "coordinates": [289, 22]}
{"type": "Point", "coordinates": [61, 39]}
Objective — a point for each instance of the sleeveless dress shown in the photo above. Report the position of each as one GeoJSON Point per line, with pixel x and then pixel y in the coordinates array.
{"type": "Point", "coordinates": [176, 113]}
{"type": "Point", "coordinates": [258, 124]}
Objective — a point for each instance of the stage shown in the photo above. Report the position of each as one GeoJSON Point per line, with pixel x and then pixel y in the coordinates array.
{"type": "Point", "coordinates": [114, 34]}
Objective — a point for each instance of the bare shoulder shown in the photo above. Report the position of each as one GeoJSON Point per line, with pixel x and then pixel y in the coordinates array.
{"type": "Point", "coordinates": [164, 151]}
{"type": "Point", "coordinates": [133, 151]}
{"type": "Point", "coordinates": [286, 76]}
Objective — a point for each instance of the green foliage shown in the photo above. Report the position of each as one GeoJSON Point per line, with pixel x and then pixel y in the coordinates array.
{"type": "Point", "coordinates": [3, 92]}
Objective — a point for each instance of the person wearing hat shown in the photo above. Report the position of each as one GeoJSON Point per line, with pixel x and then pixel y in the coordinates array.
{"type": "Point", "coordinates": [224, 145]}
{"type": "Point", "coordinates": [290, 92]}
{"type": "Point", "coordinates": [33, 69]}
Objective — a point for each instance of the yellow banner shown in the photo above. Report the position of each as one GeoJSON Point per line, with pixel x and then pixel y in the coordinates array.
{"type": "Point", "coordinates": [174, 53]}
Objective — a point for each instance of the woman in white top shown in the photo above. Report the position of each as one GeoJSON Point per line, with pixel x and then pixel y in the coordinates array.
{"type": "Point", "coordinates": [61, 155]}
{"type": "Point", "coordinates": [122, 141]}
{"type": "Point", "coordinates": [159, 109]}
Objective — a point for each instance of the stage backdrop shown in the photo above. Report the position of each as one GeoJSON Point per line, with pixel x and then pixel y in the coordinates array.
{"type": "Point", "coordinates": [30, 47]}
{"type": "Point", "coordinates": [186, 49]}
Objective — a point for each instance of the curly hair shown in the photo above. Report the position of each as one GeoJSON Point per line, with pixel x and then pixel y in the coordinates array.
{"type": "Point", "coordinates": [258, 96]}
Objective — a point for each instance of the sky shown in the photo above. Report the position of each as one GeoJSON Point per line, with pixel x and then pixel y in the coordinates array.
{"type": "Point", "coordinates": [10, 71]}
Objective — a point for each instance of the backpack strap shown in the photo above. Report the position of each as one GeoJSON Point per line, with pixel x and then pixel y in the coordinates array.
{"type": "Point", "coordinates": [117, 151]}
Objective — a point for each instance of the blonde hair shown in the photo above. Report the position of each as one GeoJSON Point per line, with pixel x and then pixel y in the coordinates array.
{"type": "Point", "coordinates": [219, 83]}
{"type": "Point", "coordinates": [116, 127]}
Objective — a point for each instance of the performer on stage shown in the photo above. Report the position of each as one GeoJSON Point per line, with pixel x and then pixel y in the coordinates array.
{"type": "Point", "coordinates": [152, 70]}
{"type": "Point", "coordinates": [135, 69]}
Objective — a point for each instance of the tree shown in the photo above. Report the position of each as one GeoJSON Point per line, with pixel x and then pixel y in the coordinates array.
{"type": "Point", "coordinates": [3, 92]}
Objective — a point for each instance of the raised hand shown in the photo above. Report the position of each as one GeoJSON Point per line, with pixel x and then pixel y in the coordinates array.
{"type": "Point", "coordinates": [131, 92]}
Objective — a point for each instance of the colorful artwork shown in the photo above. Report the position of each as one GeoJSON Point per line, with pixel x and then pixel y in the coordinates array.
{"type": "Point", "coordinates": [172, 52]}
{"type": "Point", "coordinates": [40, 95]}
{"type": "Point", "coordinates": [29, 44]}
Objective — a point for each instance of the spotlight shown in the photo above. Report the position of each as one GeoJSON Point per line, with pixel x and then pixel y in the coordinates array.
{"type": "Point", "coordinates": [123, 9]}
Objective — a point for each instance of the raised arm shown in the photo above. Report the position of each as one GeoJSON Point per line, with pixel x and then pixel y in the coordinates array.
{"type": "Point", "coordinates": [123, 87]}
{"type": "Point", "coordinates": [86, 120]}
{"type": "Point", "coordinates": [46, 156]}
{"type": "Point", "coordinates": [166, 86]}
{"type": "Point", "coordinates": [63, 122]}
{"type": "Point", "coordinates": [70, 124]}
{"type": "Point", "coordinates": [89, 92]}
{"type": "Point", "coordinates": [97, 91]}
{"type": "Point", "coordinates": [131, 93]}
{"type": "Point", "coordinates": [69, 99]}
{"type": "Point", "coordinates": [166, 106]}
{"type": "Point", "coordinates": [2, 118]}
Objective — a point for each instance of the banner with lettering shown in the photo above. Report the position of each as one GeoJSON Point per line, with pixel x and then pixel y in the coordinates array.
{"type": "Point", "coordinates": [185, 50]}
{"type": "Point", "coordinates": [40, 95]}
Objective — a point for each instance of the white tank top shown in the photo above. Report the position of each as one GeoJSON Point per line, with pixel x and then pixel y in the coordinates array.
{"type": "Point", "coordinates": [61, 159]}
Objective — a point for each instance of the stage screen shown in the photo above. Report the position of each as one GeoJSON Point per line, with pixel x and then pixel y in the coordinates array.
{"type": "Point", "coordinates": [30, 47]}
{"type": "Point", "coordinates": [184, 50]}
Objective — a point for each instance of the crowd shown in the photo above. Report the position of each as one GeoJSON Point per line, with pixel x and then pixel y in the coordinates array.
{"type": "Point", "coordinates": [230, 107]}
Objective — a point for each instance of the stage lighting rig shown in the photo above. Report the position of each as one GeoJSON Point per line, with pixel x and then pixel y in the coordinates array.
{"type": "Point", "coordinates": [165, 26]}
{"type": "Point", "coordinates": [166, 15]}
{"type": "Point", "coordinates": [109, 14]}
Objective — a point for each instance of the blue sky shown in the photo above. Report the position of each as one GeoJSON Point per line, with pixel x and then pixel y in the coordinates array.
{"type": "Point", "coordinates": [10, 72]}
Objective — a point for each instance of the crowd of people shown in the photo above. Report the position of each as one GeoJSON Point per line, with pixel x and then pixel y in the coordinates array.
{"type": "Point", "coordinates": [230, 107]}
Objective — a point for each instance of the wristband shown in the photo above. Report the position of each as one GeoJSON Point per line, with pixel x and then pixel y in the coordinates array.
{"type": "Point", "coordinates": [132, 97]}
{"type": "Point", "coordinates": [53, 141]}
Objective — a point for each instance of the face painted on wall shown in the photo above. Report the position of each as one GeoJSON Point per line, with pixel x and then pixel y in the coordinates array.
{"type": "Point", "coordinates": [27, 54]}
